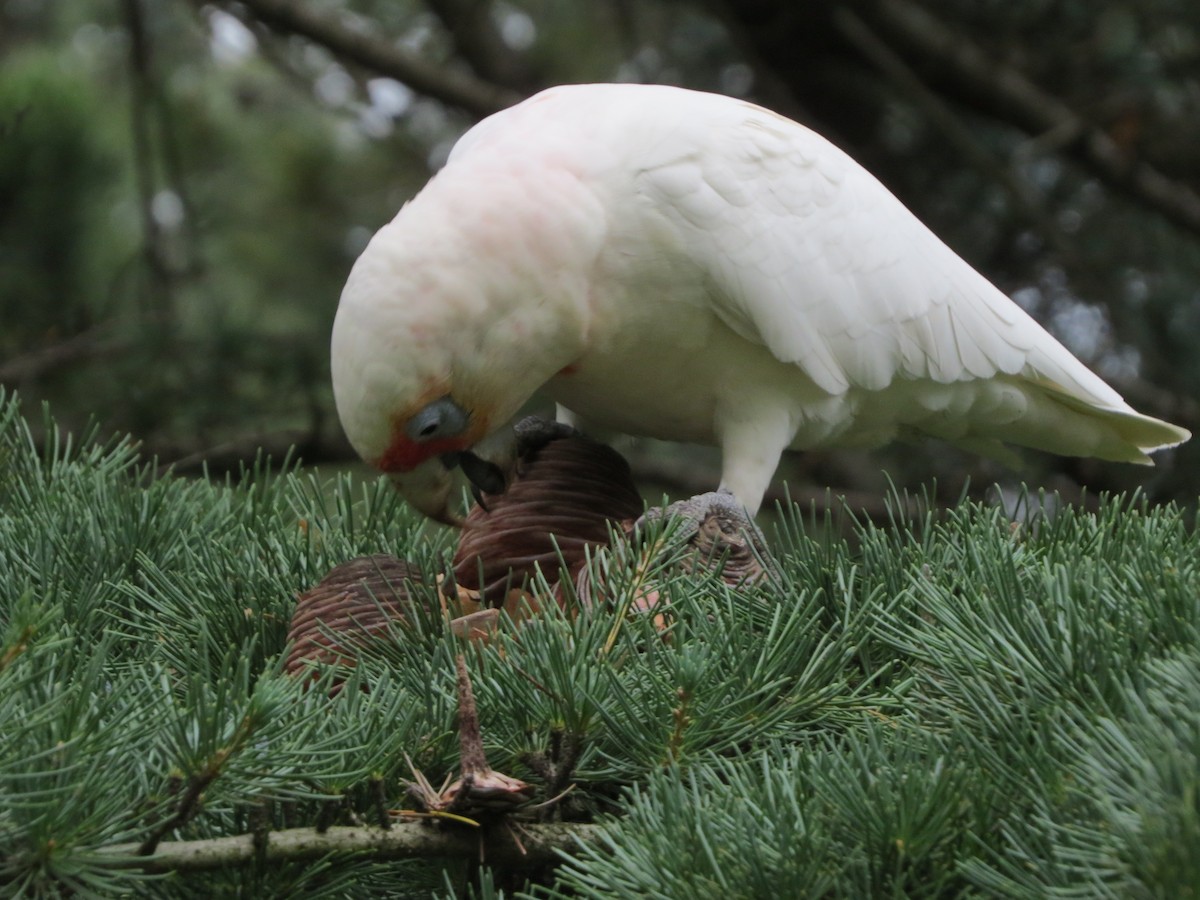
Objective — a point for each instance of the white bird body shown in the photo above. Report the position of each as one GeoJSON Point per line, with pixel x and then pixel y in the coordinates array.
{"type": "Point", "coordinates": [693, 267]}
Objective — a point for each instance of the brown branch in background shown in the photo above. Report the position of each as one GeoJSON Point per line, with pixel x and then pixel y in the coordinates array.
{"type": "Point", "coordinates": [298, 445]}
{"type": "Point", "coordinates": [939, 114]}
{"type": "Point", "coordinates": [627, 31]}
{"type": "Point", "coordinates": [143, 152]}
{"type": "Point", "coordinates": [94, 343]}
{"type": "Point", "coordinates": [192, 262]}
{"type": "Point", "coordinates": [1022, 101]}
{"type": "Point", "coordinates": [454, 88]}
{"type": "Point", "coordinates": [479, 42]}
{"type": "Point", "coordinates": [272, 48]}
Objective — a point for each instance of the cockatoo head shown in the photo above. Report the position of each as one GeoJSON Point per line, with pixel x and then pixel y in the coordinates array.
{"type": "Point", "coordinates": [437, 344]}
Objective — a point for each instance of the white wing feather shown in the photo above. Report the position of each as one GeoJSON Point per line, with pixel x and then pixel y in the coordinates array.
{"type": "Point", "coordinates": [811, 256]}
{"type": "Point", "coordinates": [817, 260]}
{"type": "Point", "coordinates": [807, 254]}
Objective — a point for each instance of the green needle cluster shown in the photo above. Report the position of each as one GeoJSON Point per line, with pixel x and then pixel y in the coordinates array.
{"type": "Point", "coordinates": [952, 705]}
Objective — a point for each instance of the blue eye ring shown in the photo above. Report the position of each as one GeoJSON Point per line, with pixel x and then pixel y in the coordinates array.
{"type": "Point", "coordinates": [443, 418]}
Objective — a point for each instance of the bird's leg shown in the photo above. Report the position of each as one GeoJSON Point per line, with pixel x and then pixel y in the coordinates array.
{"type": "Point", "coordinates": [719, 523]}
{"type": "Point", "coordinates": [693, 512]}
{"type": "Point", "coordinates": [753, 437]}
{"type": "Point", "coordinates": [720, 532]}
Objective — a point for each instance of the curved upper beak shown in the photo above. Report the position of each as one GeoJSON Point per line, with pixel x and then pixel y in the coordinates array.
{"type": "Point", "coordinates": [429, 488]}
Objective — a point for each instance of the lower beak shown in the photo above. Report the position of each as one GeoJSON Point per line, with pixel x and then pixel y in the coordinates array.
{"type": "Point", "coordinates": [485, 476]}
{"type": "Point", "coordinates": [428, 489]}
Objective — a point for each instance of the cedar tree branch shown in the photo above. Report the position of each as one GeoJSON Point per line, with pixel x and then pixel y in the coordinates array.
{"type": "Point", "coordinates": [478, 41]}
{"type": "Point", "coordinates": [1023, 102]}
{"type": "Point", "coordinates": [540, 845]}
{"type": "Point", "coordinates": [379, 55]}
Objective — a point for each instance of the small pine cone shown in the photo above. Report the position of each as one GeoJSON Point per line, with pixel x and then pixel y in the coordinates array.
{"type": "Point", "coordinates": [567, 494]}
{"type": "Point", "coordinates": [351, 607]}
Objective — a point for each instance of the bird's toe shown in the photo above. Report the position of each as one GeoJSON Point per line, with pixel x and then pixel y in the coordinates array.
{"type": "Point", "coordinates": [721, 532]}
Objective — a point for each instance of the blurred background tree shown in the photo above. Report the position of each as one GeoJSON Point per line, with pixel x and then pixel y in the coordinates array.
{"type": "Point", "coordinates": [184, 186]}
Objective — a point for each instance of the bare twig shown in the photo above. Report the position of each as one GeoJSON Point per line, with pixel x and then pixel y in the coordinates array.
{"type": "Point", "coordinates": [15, 649]}
{"type": "Point", "coordinates": [305, 445]}
{"type": "Point", "coordinates": [404, 840]}
{"type": "Point", "coordinates": [478, 41]}
{"type": "Point", "coordinates": [95, 342]}
{"type": "Point", "coordinates": [1023, 102]}
{"type": "Point", "coordinates": [455, 88]}
{"type": "Point", "coordinates": [188, 804]}
{"type": "Point", "coordinates": [953, 128]}
{"type": "Point", "coordinates": [143, 153]}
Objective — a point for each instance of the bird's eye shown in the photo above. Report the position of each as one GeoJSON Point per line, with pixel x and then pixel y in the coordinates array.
{"type": "Point", "coordinates": [440, 419]}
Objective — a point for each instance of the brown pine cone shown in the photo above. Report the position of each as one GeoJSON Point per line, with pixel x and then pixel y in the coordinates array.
{"type": "Point", "coordinates": [351, 607]}
{"type": "Point", "coordinates": [567, 493]}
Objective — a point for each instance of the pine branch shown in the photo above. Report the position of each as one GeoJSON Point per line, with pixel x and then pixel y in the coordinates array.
{"type": "Point", "coordinates": [455, 88]}
{"type": "Point", "coordinates": [949, 123]}
{"type": "Point", "coordinates": [95, 343]}
{"type": "Point", "coordinates": [539, 845]}
{"type": "Point", "coordinates": [479, 42]}
{"type": "Point", "coordinates": [141, 77]}
{"type": "Point", "coordinates": [1019, 99]}
{"type": "Point", "coordinates": [951, 704]}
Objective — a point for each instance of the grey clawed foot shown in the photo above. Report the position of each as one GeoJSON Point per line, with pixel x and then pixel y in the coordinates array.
{"type": "Point", "coordinates": [722, 533]}
{"type": "Point", "coordinates": [534, 432]}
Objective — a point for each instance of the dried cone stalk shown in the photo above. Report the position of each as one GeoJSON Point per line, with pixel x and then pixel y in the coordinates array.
{"type": "Point", "coordinates": [567, 494]}
{"type": "Point", "coordinates": [480, 789]}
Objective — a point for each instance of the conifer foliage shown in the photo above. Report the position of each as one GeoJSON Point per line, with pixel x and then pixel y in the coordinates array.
{"type": "Point", "coordinates": [953, 705]}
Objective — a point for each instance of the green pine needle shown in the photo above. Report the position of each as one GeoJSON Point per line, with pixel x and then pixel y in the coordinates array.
{"type": "Point", "coordinates": [952, 705]}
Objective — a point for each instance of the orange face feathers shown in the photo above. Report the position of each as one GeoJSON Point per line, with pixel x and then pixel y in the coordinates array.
{"type": "Point", "coordinates": [404, 452]}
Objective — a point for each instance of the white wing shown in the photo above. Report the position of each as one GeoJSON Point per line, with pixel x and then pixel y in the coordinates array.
{"type": "Point", "coordinates": [811, 256]}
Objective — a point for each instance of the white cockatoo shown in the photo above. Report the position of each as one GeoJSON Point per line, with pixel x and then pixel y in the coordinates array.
{"type": "Point", "coordinates": [690, 267]}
